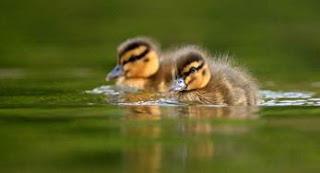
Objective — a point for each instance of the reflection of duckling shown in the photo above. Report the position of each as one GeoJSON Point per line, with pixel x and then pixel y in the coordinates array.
{"type": "Point", "coordinates": [140, 66]}
{"type": "Point", "coordinates": [199, 79]}
{"type": "Point", "coordinates": [151, 112]}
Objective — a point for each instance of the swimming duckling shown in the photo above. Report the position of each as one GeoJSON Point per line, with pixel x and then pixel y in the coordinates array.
{"type": "Point", "coordinates": [141, 66]}
{"type": "Point", "coordinates": [204, 80]}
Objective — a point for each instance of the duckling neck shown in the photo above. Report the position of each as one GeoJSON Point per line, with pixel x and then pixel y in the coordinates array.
{"type": "Point", "coordinates": [161, 80]}
{"type": "Point", "coordinates": [138, 83]}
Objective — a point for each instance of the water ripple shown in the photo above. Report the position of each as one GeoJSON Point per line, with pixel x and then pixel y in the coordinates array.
{"type": "Point", "coordinates": [269, 98]}
{"type": "Point", "coordinates": [280, 98]}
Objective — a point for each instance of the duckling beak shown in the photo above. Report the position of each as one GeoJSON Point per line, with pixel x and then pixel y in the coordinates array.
{"type": "Point", "coordinates": [116, 72]}
{"type": "Point", "coordinates": [178, 85]}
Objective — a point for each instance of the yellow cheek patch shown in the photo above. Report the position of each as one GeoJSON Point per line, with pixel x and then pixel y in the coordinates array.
{"type": "Point", "coordinates": [193, 79]}
{"type": "Point", "coordinates": [135, 52]}
{"type": "Point", "coordinates": [127, 68]}
{"type": "Point", "coordinates": [187, 80]}
{"type": "Point", "coordinates": [199, 79]}
{"type": "Point", "coordinates": [142, 68]}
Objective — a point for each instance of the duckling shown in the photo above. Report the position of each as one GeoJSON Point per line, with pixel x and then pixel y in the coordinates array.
{"type": "Point", "coordinates": [201, 79]}
{"type": "Point", "coordinates": [141, 66]}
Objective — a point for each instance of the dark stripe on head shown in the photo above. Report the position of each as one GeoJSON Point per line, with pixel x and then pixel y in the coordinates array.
{"type": "Point", "coordinates": [133, 45]}
{"type": "Point", "coordinates": [190, 71]}
{"type": "Point", "coordinates": [137, 57]}
{"type": "Point", "coordinates": [188, 59]}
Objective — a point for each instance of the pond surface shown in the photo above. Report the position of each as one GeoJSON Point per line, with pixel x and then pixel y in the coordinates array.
{"type": "Point", "coordinates": [50, 123]}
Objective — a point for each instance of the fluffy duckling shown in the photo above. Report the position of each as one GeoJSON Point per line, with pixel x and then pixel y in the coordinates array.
{"type": "Point", "coordinates": [141, 66]}
{"type": "Point", "coordinates": [203, 80]}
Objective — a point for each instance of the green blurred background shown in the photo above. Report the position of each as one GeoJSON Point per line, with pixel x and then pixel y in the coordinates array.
{"type": "Point", "coordinates": [277, 40]}
{"type": "Point", "coordinates": [52, 51]}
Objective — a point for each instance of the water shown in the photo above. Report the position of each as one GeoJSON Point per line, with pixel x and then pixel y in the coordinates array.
{"type": "Point", "coordinates": [48, 124]}
{"type": "Point", "coordinates": [79, 131]}
{"type": "Point", "coordinates": [272, 98]}
{"type": "Point", "coordinates": [268, 98]}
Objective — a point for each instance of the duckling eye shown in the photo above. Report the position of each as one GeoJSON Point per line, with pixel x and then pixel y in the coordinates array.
{"type": "Point", "coordinates": [193, 70]}
{"type": "Point", "coordinates": [146, 60]}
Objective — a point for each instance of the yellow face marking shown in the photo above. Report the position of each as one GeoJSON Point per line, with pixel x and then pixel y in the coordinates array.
{"type": "Point", "coordinates": [135, 52]}
{"type": "Point", "coordinates": [141, 68]}
{"type": "Point", "coordinates": [188, 79]}
{"type": "Point", "coordinates": [199, 79]}
{"type": "Point", "coordinates": [189, 66]}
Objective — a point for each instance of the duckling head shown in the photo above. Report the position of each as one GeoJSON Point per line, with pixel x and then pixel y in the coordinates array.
{"type": "Point", "coordinates": [137, 58]}
{"type": "Point", "coordinates": [192, 71]}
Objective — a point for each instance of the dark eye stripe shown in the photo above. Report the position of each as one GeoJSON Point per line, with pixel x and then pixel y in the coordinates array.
{"type": "Point", "coordinates": [137, 57]}
{"type": "Point", "coordinates": [132, 46]}
{"type": "Point", "coordinates": [190, 71]}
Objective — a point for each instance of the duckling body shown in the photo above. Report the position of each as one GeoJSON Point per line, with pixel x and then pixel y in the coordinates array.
{"type": "Point", "coordinates": [142, 66]}
{"type": "Point", "coordinates": [204, 80]}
